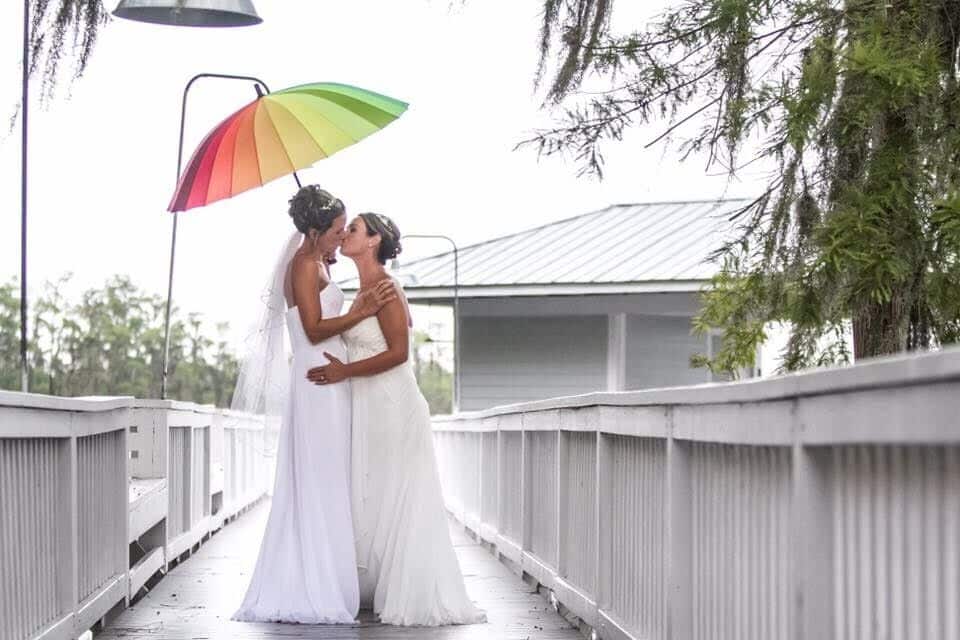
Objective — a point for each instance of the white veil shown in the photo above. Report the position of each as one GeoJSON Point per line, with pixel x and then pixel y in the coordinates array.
{"type": "Point", "coordinates": [263, 382]}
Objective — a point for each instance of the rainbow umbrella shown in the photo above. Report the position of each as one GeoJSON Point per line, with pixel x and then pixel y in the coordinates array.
{"type": "Point", "coordinates": [278, 134]}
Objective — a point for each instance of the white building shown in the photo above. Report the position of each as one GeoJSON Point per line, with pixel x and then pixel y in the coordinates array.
{"type": "Point", "coordinates": [601, 301]}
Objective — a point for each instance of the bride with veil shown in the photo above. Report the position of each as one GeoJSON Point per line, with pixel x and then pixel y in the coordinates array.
{"type": "Point", "coordinates": [306, 568]}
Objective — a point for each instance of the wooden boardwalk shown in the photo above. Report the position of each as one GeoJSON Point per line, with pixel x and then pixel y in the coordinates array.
{"type": "Point", "coordinates": [196, 598]}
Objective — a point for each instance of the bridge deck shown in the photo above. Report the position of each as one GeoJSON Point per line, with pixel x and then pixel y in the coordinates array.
{"type": "Point", "coordinates": [196, 598]}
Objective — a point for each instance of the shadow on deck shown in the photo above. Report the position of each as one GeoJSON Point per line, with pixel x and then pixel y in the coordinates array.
{"type": "Point", "coordinates": [196, 599]}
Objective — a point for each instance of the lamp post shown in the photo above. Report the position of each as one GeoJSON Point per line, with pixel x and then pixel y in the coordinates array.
{"type": "Point", "coordinates": [261, 88]}
{"type": "Point", "coordinates": [190, 13]}
{"type": "Point", "coordinates": [456, 308]}
{"type": "Point", "coordinates": [24, 109]}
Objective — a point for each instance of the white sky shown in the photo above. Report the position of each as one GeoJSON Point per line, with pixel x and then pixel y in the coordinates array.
{"type": "Point", "coordinates": [103, 159]}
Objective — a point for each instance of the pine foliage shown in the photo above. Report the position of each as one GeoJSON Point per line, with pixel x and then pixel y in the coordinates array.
{"type": "Point", "coordinates": [855, 103]}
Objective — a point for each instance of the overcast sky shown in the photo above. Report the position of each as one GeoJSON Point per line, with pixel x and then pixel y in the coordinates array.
{"type": "Point", "coordinates": [103, 158]}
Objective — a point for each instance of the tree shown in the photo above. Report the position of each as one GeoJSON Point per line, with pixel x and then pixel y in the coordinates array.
{"type": "Point", "coordinates": [110, 342]}
{"type": "Point", "coordinates": [9, 336]}
{"type": "Point", "coordinates": [59, 27]}
{"type": "Point", "coordinates": [856, 104]}
{"type": "Point", "coordinates": [435, 382]}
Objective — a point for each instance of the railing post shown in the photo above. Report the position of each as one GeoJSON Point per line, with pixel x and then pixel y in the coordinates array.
{"type": "Point", "coordinates": [604, 510]}
{"type": "Point", "coordinates": [68, 551]}
{"type": "Point", "coordinates": [812, 560]}
{"type": "Point", "coordinates": [679, 499]}
{"type": "Point", "coordinates": [525, 514]}
{"type": "Point", "coordinates": [501, 522]}
{"type": "Point", "coordinates": [123, 506]}
{"type": "Point", "coordinates": [562, 471]}
{"type": "Point", "coordinates": [478, 477]}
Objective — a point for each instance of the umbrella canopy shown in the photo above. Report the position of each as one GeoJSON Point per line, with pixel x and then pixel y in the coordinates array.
{"type": "Point", "coordinates": [277, 134]}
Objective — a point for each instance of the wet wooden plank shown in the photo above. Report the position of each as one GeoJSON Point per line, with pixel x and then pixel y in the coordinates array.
{"type": "Point", "coordinates": [195, 600]}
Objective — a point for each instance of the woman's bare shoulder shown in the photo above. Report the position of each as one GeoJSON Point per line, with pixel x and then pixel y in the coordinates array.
{"type": "Point", "coordinates": [302, 264]}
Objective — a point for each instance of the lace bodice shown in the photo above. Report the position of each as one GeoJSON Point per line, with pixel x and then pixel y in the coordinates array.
{"type": "Point", "coordinates": [365, 339]}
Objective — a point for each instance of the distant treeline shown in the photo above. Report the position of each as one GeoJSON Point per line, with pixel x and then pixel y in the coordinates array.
{"type": "Point", "coordinates": [110, 342]}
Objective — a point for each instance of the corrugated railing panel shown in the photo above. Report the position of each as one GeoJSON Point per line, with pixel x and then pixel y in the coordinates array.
{"type": "Point", "coordinates": [31, 484]}
{"type": "Point", "coordinates": [178, 482]}
{"type": "Point", "coordinates": [250, 469]}
{"type": "Point", "coordinates": [897, 542]}
{"type": "Point", "coordinates": [101, 508]}
{"type": "Point", "coordinates": [455, 453]}
{"type": "Point", "coordinates": [470, 456]}
{"type": "Point", "coordinates": [229, 464]}
{"type": "Point", "coordinates": [488, 478]}
{"type": "Point", "coordinates": [199, 475]}
{"type": "Point", "coordinates": [541, 468]}
{"type": "Point", "coordinates": [741, 542]}
{"type": "Point", "coordinates": [638, 595]}
{"type": "Point", "coordinates": [578, 556]}
{"type": "Point", "coordinates": [441, 446]}
{"type": "Point", "coordinates": [243, 461]}
{"type": "Point", "coordinates": [511, 469]}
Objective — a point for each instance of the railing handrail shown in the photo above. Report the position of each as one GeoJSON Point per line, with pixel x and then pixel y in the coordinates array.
{"type": "Point", "coordinates": [890, 372]}
{"type": "Point", "coordinates": [60, 403]}
{"type": "Point", "coordinates": [176, 405]}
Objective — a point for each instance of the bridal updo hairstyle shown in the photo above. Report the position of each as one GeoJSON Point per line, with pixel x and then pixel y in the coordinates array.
{"type": "Point", "coordinates": [314, 208]}
{"type": "Point", "coordinates": [379, 224]}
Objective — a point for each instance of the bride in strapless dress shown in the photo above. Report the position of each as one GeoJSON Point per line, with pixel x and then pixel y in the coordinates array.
{"type": "Point", "coordinates": [306, 568]}
{"type": "Point", "coordinates": [408, 570]}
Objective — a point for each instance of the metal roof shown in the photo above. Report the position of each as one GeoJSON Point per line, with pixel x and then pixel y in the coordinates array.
{"type": "Point", "coordinates": [659, 246]}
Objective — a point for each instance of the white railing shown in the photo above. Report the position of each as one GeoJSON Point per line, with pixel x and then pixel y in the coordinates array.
{"type": "Point", "coordinates": [815, 506]}
{"type": "Point", "coordinates": [89, 487]}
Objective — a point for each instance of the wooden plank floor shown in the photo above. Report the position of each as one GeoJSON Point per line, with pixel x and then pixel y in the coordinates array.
{"type": "Point", "coordinates": [195, 599]}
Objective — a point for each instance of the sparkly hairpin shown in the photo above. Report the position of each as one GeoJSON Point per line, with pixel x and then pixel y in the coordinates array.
{"type": "Point", "coordinates": [385, 221]}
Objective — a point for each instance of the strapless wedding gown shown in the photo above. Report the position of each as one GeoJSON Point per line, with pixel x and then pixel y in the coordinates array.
{"type": "Point", "coordinates": [408, 570]}
{"type": "Point", "coordinates": [306, 571]}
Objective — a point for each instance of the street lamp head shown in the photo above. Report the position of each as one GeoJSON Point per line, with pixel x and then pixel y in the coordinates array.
{"type": "Point", "coordinates": [190, 13]}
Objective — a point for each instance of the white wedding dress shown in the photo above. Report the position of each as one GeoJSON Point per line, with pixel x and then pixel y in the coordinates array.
{"type": "Point", "coordinates": [408, 570]}
{"type": "Point", "coordinates": [306, 571]}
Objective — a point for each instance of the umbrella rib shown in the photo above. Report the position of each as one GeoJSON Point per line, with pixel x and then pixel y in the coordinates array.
{"type": "Point", "coordinates": [330, 96]}
{"type": "Point", "coordinates": [279, 139]}
{"type": "Point", "coordinates": [328, 121]}
{"type": "Point", "coordinates": [307, 129]}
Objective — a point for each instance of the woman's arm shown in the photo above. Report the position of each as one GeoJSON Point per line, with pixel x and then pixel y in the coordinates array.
{"type": "Point", "coordinates": [305, 281]}
{"type": "Point", "coordinates": [393, 323]}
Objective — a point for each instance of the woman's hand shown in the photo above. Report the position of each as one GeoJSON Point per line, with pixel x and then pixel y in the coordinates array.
{"type": "Point", "coordinates": [369, 301]}
{"type": "Point", "coordinates": [333, 372]}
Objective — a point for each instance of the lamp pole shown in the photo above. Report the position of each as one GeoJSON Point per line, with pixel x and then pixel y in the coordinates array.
{"type": "Point", "coordinates": [261, 88]}
{"type": "Point", "coordinates": [24, 112]}
{"type": "Point", "coordinates": [456, 308]}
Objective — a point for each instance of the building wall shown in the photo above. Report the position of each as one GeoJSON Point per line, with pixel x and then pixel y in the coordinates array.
{"type": "Point", "coordinates": [658, 352]}
{"type": "Point", "coordinates": [515, 359]}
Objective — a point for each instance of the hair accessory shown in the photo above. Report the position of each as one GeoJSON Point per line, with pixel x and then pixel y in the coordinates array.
{"type": "Point", "coordinates": [385, 221]}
